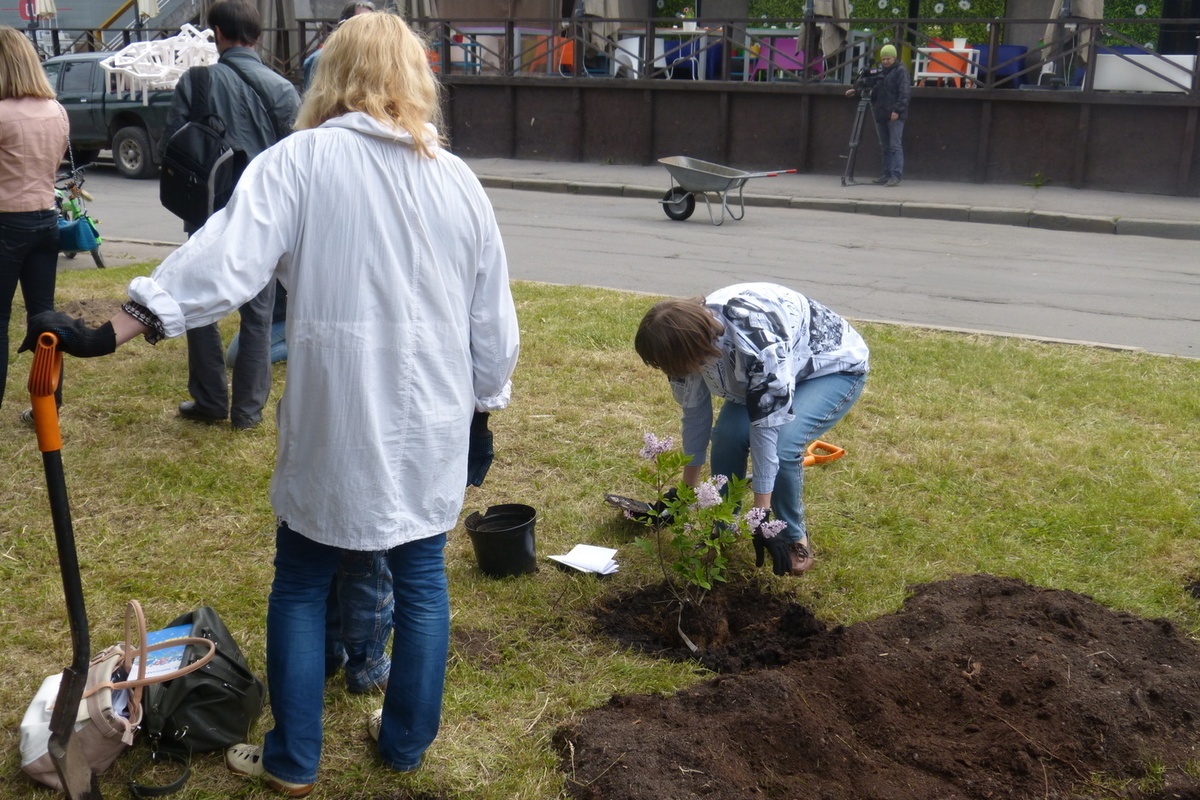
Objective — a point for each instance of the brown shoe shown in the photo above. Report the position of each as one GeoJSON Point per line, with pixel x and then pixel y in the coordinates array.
{"type": "Point", "coordinates": [802, 559]}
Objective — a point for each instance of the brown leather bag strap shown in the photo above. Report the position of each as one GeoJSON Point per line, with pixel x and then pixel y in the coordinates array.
{"type": "Point", "coordinates": [135, 616]}
{"type": "Point", "coordinates": [137, 683]}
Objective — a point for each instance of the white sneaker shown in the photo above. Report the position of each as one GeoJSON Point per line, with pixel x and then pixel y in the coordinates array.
{"type": "Point", "coordinates": [246, 759]}
{"type": "Point", "coordinates": [374, 723]}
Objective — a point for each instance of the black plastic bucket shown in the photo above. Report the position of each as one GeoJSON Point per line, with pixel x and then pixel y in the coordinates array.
{"type": "Point", "coordinates": [503, 539]}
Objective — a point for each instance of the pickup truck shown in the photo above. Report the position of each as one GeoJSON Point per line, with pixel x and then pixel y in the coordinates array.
{"type": "Point", "coordinates": [103, 120]}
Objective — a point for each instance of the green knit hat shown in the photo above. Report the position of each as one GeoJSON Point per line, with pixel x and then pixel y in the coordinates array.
{"type": "Point", "coordinates": [887, 51]}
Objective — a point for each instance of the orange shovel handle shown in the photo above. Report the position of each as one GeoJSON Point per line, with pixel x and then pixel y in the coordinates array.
{"type": "Point", "coordinates": [43, 382]}
{"type": "Point", "coordinates": [821, 452]}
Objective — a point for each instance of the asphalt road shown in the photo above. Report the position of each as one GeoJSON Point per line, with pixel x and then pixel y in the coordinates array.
{"type": "Point", "coordinates": [1128, 291]}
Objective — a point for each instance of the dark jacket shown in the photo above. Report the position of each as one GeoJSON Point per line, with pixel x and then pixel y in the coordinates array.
{"type": "Point", "coordinates": [892, 93]}
{"type": "Point", "coordinates": [249, 123]}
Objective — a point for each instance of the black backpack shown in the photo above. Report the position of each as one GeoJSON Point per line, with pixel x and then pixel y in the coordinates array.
{"type": "Point", "coordinates": [211, 708]}
{"type": "Point", "coordinates": [200, 167]}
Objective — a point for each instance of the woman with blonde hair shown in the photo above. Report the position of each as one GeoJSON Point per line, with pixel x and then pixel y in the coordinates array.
{"type": "Point", "coordinates": [400, 329]}
{"type": "Point", "coordinates": [33, 139]}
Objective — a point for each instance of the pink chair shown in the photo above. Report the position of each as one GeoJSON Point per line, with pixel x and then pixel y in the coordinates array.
{"type": "Point", "coordinates": [780, 55]}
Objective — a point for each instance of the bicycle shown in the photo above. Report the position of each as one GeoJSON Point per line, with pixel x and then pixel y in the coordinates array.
{"type": "Point", "coordinates": [69, 197]}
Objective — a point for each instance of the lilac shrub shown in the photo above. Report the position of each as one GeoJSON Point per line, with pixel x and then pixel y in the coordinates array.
{"type": "Point", "coordinates": [693, 527]}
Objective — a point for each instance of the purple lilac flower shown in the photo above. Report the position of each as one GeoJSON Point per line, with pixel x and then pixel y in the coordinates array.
{"type": "Point", "coordinates": [707, 495]}
{"type": "Point", "coordinates": [754, 517]}
{"type": "Point", "coordinates": [654, 447]}
{"type": "Point", "coordinates": [771, 529]}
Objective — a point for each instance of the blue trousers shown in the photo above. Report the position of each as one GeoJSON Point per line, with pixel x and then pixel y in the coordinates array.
{"type": "Point", "coordinates": [296, 611]}
{"type": "Point", "coordinates": [891, 145]}
{"type": "Point", "coordinates": [818, 403]}
{"type": "Point", "coordinates": [358, 620]}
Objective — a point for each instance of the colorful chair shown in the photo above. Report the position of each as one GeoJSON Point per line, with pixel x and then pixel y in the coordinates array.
{"type": "Point", "coordinates": [939, 67]}
{"type": "Point", "coordinates": [780, 55]}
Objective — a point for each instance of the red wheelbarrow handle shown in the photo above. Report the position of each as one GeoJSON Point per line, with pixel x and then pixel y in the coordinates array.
{"type": "Point", "coordinates": [821, 452]}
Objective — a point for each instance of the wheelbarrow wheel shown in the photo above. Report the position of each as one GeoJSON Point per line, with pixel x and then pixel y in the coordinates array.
{"type": "Point", "coordinates": [678, 204]}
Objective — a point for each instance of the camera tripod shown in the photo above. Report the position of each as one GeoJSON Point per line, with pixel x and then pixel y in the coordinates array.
{"type": "Point", "coordinates": [860, 114]}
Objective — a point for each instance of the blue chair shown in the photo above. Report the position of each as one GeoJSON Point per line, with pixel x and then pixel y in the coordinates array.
{"type": "Point", "coordinates": [1010, 60]}
{"type": "Point", "coordinates": [684, 60]}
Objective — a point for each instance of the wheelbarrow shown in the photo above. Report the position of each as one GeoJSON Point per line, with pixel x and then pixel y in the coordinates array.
{"type": "Point", "coordinates": [695, 177]}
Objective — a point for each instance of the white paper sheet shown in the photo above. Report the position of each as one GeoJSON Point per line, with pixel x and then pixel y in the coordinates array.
{"type": "Point", "coordinates": [589, 558]}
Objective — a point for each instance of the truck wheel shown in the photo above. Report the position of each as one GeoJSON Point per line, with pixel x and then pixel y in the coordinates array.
{"type": "Point", "coordinates": [131, 152]}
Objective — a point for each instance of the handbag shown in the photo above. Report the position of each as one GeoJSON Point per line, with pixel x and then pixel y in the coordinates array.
{"type": "Point", "coordinates": [77, 235]}
{"type": "Point", "coordinates": [111, 709]}
{"type": "Point", "coordinates": [208, 709]}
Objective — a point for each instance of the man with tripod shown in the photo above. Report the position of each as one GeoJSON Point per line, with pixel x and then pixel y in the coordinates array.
{"type": "Point", "coordinates": [890, 91]}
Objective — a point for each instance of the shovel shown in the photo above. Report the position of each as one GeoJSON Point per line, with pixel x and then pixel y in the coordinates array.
{"type": "Point", "coordinates": [69, 760]}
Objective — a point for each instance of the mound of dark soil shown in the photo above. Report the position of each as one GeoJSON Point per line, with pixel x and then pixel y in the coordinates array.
{"type": "Point", "coordinates": [979, 687]}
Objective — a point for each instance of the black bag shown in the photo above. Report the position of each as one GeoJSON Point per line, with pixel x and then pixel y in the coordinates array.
{"type": "Point", "coordinates": [200, 167]}
{"type": "Point", "coordinates": [211, 708]}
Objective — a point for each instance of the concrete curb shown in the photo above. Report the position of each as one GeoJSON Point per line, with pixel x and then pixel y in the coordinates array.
{"type": "Point", "coordinates": [1024, 218]}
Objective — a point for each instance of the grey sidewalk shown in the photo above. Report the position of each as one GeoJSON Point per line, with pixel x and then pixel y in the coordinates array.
{"type": "Point", "coordinates": [1049, 207]}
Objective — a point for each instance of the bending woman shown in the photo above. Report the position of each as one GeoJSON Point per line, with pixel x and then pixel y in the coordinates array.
{"type": "Point", "coordinates": [787, 367]}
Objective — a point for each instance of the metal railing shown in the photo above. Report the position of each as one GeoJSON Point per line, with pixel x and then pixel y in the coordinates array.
{"type": "Point", "coordinates": [745, 50]}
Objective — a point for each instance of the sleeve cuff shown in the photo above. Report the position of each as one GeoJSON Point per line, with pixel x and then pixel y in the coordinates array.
{"type": "Point", "coordinates": [147, 318]}
{"type": "Point", "coordinates": [497, 401]}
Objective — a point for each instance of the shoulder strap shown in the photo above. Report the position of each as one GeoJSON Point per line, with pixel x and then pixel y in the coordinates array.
{"type": "Point", "coordinates": [267, 105]}
{"type": "Point", "coordinates": [201, 81]}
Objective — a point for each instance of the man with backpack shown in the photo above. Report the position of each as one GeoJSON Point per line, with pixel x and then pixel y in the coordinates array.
{"type": "Point", "coordinates": [257, 107]}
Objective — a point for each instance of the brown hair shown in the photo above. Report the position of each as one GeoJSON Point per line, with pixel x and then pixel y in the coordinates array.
{"type": "Point", "coordinates": [21, 73]}
{"type": "Point", "coordinates": [678, 336]}
{"type": "Point", "coordinates": [375, 64]}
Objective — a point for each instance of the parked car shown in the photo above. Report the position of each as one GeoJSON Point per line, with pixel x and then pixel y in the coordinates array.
{"type": "Point", "coordinates": [103, 120]}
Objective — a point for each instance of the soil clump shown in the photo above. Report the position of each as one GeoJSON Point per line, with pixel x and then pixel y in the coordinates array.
{"type": "Point", "coordinates": [978, 687]}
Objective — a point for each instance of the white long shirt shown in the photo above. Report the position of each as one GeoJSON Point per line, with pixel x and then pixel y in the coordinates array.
{"type": "Point", "coordinates": [773, 338]}
{"type": "Point", "coordinates": [400, 322]}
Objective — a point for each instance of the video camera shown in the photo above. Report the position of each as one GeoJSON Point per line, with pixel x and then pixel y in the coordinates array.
{"type": "Point", "coordinates": [867, 79]}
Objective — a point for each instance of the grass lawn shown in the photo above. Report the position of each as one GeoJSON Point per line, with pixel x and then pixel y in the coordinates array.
{"type": "Point", "coordinates": [1066, 466]}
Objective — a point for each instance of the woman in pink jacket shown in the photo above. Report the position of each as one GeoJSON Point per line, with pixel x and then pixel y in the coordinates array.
{"type": "Point", "coordinates": [33, 139]}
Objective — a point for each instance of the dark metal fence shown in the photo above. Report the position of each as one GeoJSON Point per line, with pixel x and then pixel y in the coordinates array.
{"type": "Point", "coordinates": [1077, 54]}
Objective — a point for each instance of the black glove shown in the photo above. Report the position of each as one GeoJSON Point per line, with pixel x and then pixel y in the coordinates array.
{"type": "Point", "coordinates": [781, 556]}
{"type": "Point", "coordinates": [479, 452]}
{"type": "Point", "coordinates": [664, 517]}
{"type": "Point", "coordinates": [74, 336]}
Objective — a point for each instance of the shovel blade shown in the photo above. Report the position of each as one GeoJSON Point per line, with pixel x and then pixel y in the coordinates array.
{"type": "Point", "coordinates": [66, 752]}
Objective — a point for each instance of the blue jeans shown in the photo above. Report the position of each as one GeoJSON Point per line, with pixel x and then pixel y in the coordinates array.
{"type": "Point", "coordinates": [891, 136]}
{"type": "Point", "coordinates": [412, 705]}
{"type": "Point", "coordinates": [278, 345]}
{"type": "Point", "coordinates": [358, 620]}
{"type": "Point", "coordinates": [817, 404]}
